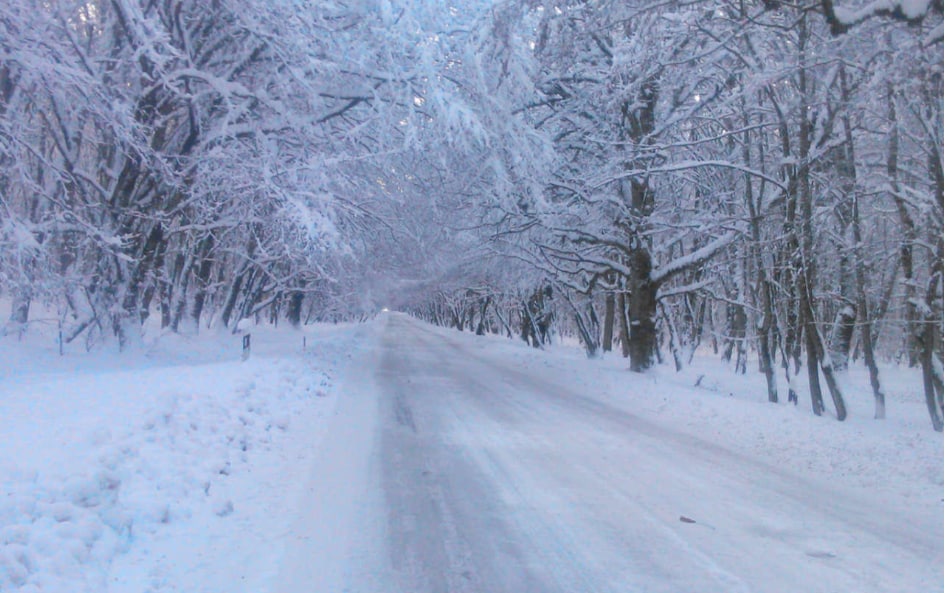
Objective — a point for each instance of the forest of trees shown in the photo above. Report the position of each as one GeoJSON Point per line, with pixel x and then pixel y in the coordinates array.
{"type": "Point", "coordinates": [764, 178]}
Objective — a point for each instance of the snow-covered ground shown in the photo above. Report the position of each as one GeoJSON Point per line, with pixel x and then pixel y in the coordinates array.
{"type": "Point", "coordinates": [900, 457]}
{"type": "Point", "coordinates": [179, 467]}
{"type": "Point", "coordinates": [163, 469]}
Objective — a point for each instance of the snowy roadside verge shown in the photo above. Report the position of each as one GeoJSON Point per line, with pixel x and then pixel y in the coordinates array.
{"type": "Point", "coordinates": [151, 477]}
{"type": "Point", "coordinates": [897, 460]}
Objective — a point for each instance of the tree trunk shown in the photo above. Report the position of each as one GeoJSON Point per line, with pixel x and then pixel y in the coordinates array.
{"type": "Point", "coordinates": [170, 287]}
{"type": "Point", "coordinates": [764, 345]}
{"type": "Point", "coordinates": [588, 326]}
{"type": "Point", "coordinates": [697, 328]}
{"type": "Point", "coordinates": [253, 291]}
{"type": "Point", "coordinates": [762, 294]}
{"type": "Point", "coordinates": [841, 337]}
{"type": "Point", "coordinates": [814, 344]}
{"type": "Point", "coordinates": [805, 237]}
{"type": "Point", "coordinates": [932, 386]}
{"type": "Point", "coordinates": [231, 297]}
{"type": "Point", "coordinates": [241, 276]}
{"type": "Point", "coordinates": [202, 278]}
{"type": "Point", "coordinates": [929, 355]}
{"type": "Point", "coordinates": [587, 336]}
{"type": "Point", "coordinates": [866, 326]}
{"type": "Point", "coordinates": [641, 311]}
{"type": "Point", "coordinates": [813, 374]}
{"type": "Point", "coordinates": [817, 356]}
{"type": "Point", "coordinates": [293, 312]}
{"type": "Point", "coordinates": [624, 324]}
{"type": "Point", "coordinates": [19, 313]}
{"type": "Point", "coordinates": [483, 311]}
{"type": "Point", "coordinates": [870, 358]}
{"type": "Point", "coordinates": [737, 332]}
{"type": "Point", "coordinates": [609, 319]}
{"type": "Point", "coordinates": [506, 323]}
{"type": "Point", "coordinates": [910, 233]}
{"type": "Point", "coordinates": [674, 345]}
{"type": "Point", "coordinates": [136, 303]}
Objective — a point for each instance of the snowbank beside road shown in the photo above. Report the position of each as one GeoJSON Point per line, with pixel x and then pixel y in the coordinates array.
{"type": "Point", "coordinates": [130, 473]}
{"type": "Point", "coordinates": [898, 459]}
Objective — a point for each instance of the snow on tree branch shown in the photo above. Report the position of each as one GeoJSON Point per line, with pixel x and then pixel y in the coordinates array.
{"type": "Point", "coordinates": [697, 257]}
{"type": "Point", "coordinates": [841, 19]}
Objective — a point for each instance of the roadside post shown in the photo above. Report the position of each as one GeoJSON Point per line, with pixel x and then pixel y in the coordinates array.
{"type": "Point", "coordinates": [246, 347]}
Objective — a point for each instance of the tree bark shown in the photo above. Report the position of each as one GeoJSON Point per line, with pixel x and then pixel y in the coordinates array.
{"type": "Point", "coordinates": [735, 340]}
{"type": "Point", "coordinates": [150, 257]}
{"type": "Point", "coordinates": [170, 287]}
{"type": "Point", "coordinates": [483, 311]}
{"type": "Point", "coordinates": [624, 324]}
{"type": "Point", "coordinates": [231, 297]}
{"type": "Point", "coordinates": [841, 337]}
{"type": "Point", "coordinates": [674, 345]}
{"type": "Point", "coordinates": [641, 311]}
{"type": "Point", "coordinates": [19, 313]}
{"type": "Point", "coordinates": [609, 319]}
{"type": "Point", "coordinates": [866, 326]}
{"type": "Point", "coordinates": [765, 348]}
{"type": "Point", "coordinates": [929, 355]}
{"type": "Point", "coordinates": [816, 354]}
{"type": "Point", "coordinates": [763, 297]}
{"type": "Point", "coordinates": [293, 312]}
{"type": "Point", "coordinates": [202, 278]}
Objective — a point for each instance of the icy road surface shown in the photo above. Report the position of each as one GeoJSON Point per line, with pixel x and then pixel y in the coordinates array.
{"type": "Point", "coordinates": [448, 470]}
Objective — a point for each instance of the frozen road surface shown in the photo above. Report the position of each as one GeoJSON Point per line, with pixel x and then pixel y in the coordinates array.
{"type": "Point", "coordinates": [449, 470]}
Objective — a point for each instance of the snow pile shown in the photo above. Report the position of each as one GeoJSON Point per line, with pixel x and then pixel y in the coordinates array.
{"type": "Point", "coordinates": [97, 464]}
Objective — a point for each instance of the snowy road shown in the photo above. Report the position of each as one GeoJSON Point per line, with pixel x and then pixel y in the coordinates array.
{"type": "Point", "coordinates": [449, 470]}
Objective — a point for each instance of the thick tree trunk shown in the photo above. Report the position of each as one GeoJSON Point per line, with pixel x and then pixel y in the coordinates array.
{"type": "Point", "coordinates": [483, 311]}
{"type": "Point", "coordinates": [641, 311]}
{"type": "Point", "coordinates": [293, 312]}
{"type": "Point", "coordinates": [841, 337]}
{"type": "Point", "coordinates": [609, 319]}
